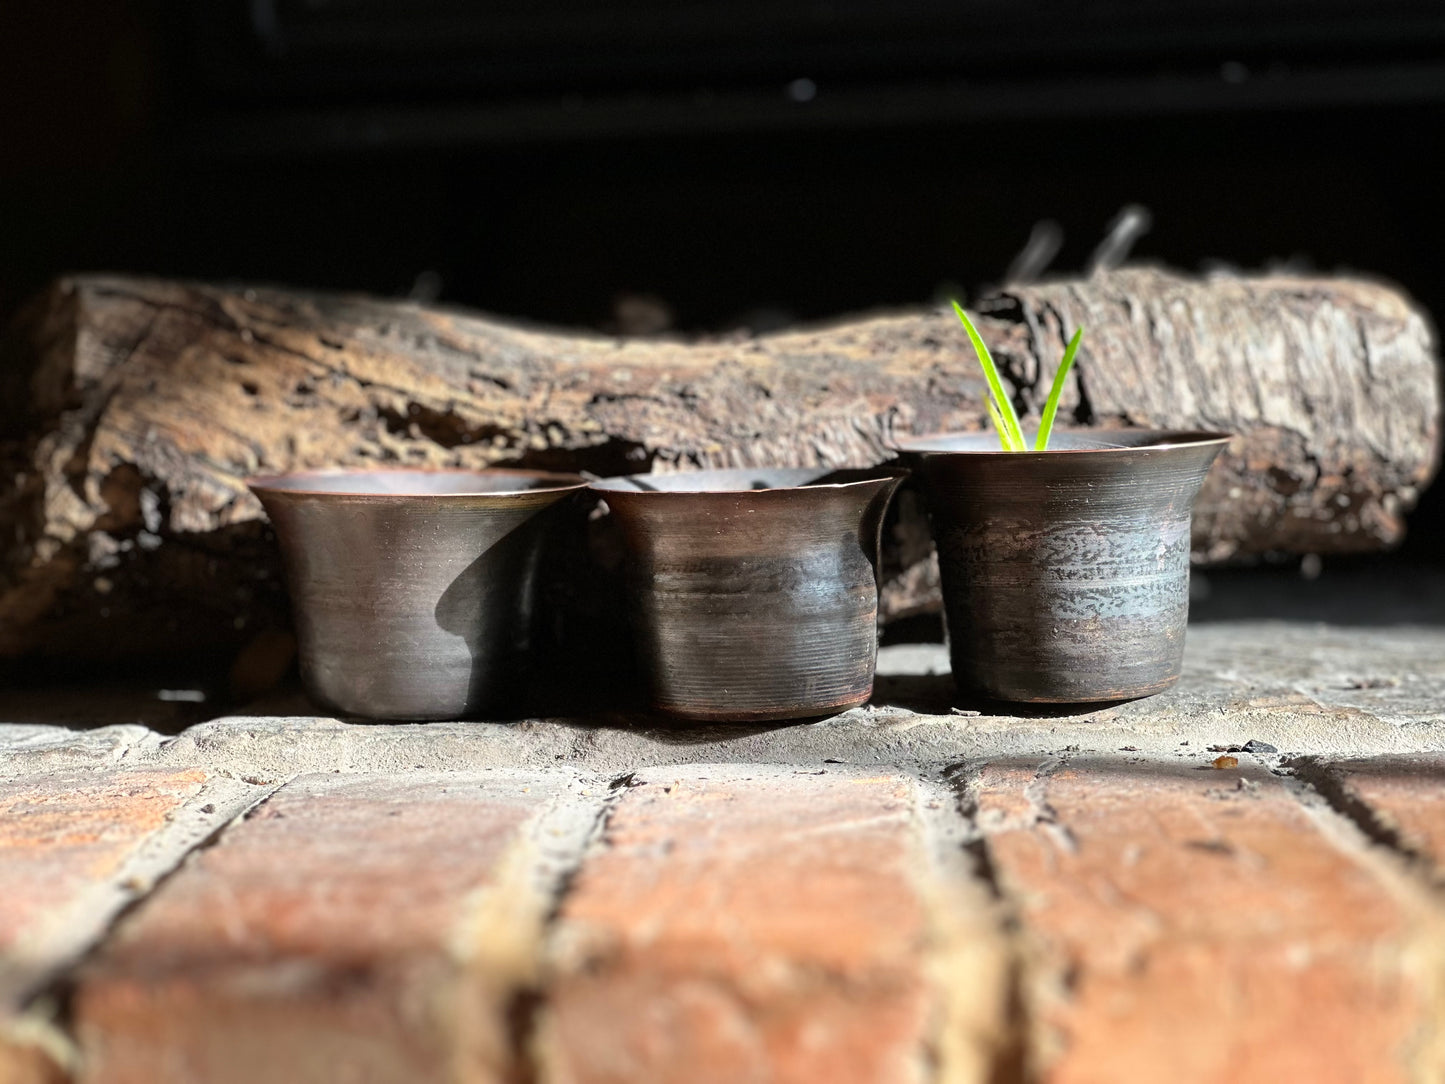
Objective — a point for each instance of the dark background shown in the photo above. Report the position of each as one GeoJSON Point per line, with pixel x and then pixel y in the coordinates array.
{"type": "Point", "coordinates": [745, 162]}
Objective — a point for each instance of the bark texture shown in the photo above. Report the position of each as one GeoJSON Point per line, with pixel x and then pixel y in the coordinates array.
{"type": "Point", "coordinates": [1331, 385]}
{"type": "Point", "coordinates": [134, 409]}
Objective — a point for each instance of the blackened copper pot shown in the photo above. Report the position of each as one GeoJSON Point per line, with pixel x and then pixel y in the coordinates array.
{"type": "Point", "coordinates": [753, 593]}
{"type": "Point", "coordinates": [1065, 572]}
{"type": "Point", "coordinates": [412, 589]}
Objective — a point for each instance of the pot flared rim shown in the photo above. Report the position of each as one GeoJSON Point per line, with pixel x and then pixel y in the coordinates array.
{"type": "Point", "coordinates": [639, 485]}
{"type": "Point", "coordinates": [1093, 442]}
{"type": "Point", "coordinates": [312, 483]}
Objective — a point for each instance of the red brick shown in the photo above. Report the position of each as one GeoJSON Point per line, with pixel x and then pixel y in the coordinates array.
{"type": "Point", "coordinates": [62, 837]}
{"type": "Point", "coordinates": [734, 930]}
{"type": "Point", "coordinates": [1404, 795]}
{"type": "Point", "coordinates": [25, 1062]}
{"type": "Point", "coordinates": [61, 834]}
{"type": "Point", "coordinates": [1194, 931]}
{"type": "Point", "coordinates": [321, 940]}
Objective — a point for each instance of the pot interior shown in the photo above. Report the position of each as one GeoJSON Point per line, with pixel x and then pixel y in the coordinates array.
{"type": "Point", "coordinates": [744, 480]}
{"type": "Point", "coordinates": [403, 482]}
{"type": "Point", "coordinates": [1063, 440]}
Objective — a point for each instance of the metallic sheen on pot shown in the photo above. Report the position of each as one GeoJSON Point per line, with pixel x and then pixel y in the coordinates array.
{"type": "Point", "coordinates": [412, 589]}
{"type": "Point", "coordinates": [753, 593]}
{"type": "Point", "coordinates": [1066, 572]}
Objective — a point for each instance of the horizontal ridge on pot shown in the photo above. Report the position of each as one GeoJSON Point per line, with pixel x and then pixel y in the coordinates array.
{"type": "Point", "coordinates": [1065, 572]}
{"type": "Point", "coordinates": [412, 588]}
{"type": "Point", "coordinates": [753, 593]}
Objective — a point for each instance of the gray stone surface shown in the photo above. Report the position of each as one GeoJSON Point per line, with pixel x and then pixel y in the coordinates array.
{"type": "Point", "coordinates": [28, 748]}
{"type": "Point", "coordinates": [1304, 688]}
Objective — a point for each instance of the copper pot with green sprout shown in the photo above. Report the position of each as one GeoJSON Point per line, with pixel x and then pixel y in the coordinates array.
{"type": "Point", "coordinates": [1065, 558]}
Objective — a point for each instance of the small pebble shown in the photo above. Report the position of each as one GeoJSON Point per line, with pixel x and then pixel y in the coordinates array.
{"type": "Point", "coordinates": [1253, 746]}
{"type": "Point", "coordinates": [1226, 762]}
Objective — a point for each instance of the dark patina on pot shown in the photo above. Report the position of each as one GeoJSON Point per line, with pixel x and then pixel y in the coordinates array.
{"type": "Point", "coordinates": [754, 593]}
{"type": "Point", "coordinates": [1066, 572]}
{"type": "Point", "coordinates": [412, 589]}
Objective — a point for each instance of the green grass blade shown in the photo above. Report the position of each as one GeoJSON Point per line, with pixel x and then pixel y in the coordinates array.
{"type": "Point", "coordinates": [1051, 407]}
{"type": "Point", "coordinates": [1005, 418]}
{"type": "Point", "coordinates": [1003, 434]}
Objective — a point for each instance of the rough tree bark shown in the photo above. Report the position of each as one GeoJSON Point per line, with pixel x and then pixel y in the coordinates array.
{"type": "Point", "coordinates": [133, 410]}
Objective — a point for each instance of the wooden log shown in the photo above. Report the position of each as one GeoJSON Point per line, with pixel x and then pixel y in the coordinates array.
{"type": "Point", "coordinates": [133, 409]}
{"type": "Point", "coordinates": [1331, 385]}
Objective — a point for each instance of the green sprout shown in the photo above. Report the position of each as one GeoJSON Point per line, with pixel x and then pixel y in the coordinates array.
{"type": "Point", "coordinates": [1001, 408]}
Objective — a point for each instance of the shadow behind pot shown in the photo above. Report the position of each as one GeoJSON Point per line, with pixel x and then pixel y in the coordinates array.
{"type": "Point", "coordinates": [1065, 573]}
{"type": "Point", "coordinates": [414, 591]}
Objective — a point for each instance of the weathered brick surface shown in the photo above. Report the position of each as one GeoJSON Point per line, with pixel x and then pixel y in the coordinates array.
{"type": "Point", "coordinates": [33, 749]}
{"type": "Point", "coordinates": [353, 929]}
{"type": "Point", "coordinates": [779, 927]}
{"type": "Point", "coordinates": [24, 1063]}
{"type": "Point", "coordinates": [1192, 927]}
{"type": "Point", "coordinates": [59, 834]}
{"type": "Point", "coordinates": [1400, 798]}
{"type": "Point", "coordinates": [735, 929]}
{"type": "Point", "coordinates": [63, 836]}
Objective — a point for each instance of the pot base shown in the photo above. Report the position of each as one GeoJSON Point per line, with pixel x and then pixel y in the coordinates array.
{"type": "Point", "coordinates": [794, 713]}
{"type": "Point", "coordinates": [1105, 697]}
